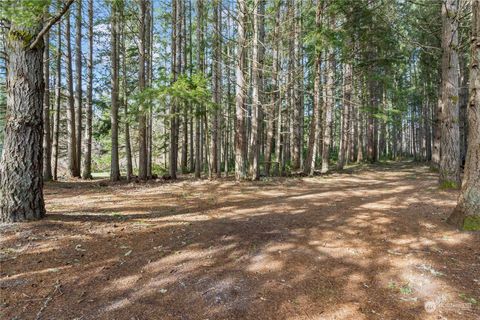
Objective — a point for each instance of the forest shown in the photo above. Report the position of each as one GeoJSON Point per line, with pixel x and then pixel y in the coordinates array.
{"type": "Point", "coordinates": [240, 159]}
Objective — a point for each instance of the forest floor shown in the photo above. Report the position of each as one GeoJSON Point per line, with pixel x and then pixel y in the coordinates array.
{"type": "Point", "coordinates": [368, 243]}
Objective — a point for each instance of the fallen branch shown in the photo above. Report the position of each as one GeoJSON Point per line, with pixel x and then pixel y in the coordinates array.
{"type": "Point", "coordinates": [47, 301]}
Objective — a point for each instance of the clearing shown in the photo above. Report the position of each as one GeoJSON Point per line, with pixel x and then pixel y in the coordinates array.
{"type": "Point", "coordinates": [370, 243]}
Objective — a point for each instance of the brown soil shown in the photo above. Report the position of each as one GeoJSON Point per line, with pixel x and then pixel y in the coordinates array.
{"type": "Point", "coordinates": [366, 244]}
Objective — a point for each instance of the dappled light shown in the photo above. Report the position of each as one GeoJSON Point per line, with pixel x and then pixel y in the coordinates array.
{"type": "Point", "coordinates": [223, 250]}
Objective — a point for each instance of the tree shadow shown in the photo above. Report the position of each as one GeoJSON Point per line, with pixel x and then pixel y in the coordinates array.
{"type": "Point", "coordinates": [372, 246]}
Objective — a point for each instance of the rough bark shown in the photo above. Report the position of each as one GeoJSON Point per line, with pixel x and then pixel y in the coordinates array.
{"type": "Point", "coordinates": [47, 142]}
{"type": "Point", "coordinates": [124, 100]}
{"type": "Point", "coordinates": [78, 88]}
{"type": "Point", "coordinates": [217, 93]}
{"type": "Point", "coordinates": [142, 118]}
{"type": "Point", "coordinates": [87, 161]}
{"type": "Point", "coordinates": [315, 123]}
{"type": "Point", "coordinates": [345, 130]}
{"type": "Point", "coordinates": [21, 183]}
{"type": "Point", "coordinates": [275, 96]}
{"type": "Point", "coordinates": [450, 132]}
{"type": "Point", "coordinates": [58, 97]}
{"type": "Point", "coordinates": [200, 66]}
{"type": "Point", "coordinates": [71, 133]}
{"type": "Point", "coordinates": [114, 25]}
{"type": "Point", "coordinates": [240, 134]}
{"type": "Point", "coordinates": [467, 212]}
{"type": "Point", "coordinates": [329, 101]}
{"type": "Point", "coordinates": [257, 88]}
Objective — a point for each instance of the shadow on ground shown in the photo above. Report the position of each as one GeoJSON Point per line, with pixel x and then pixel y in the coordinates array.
{"type": "Point", "coordinates": [369, 244]}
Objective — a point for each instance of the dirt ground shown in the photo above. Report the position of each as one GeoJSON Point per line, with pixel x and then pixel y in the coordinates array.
{"type": "Point", "coordinates": [371, 243]}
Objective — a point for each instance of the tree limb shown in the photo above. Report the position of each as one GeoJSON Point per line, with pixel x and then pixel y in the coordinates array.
{"type": "Point", "coordinates": [50, 23]}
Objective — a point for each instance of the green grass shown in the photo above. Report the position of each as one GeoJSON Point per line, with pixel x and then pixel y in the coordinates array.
{"type": "Point", "coordinates": [471, 223]}
{"type": "Point", "coordinates": [448, 185]}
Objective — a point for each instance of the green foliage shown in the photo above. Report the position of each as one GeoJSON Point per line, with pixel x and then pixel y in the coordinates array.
{"type": "Point", "coordinates": [190, 90]}
{"type": "Point", "coordinates": [448, 185]}
{"type": "Point", "coordinates": [471, 223]}
{"type": "Point", "coordinates": [468, 299]}
{"type": "Point", "coordinates": [24, 13]}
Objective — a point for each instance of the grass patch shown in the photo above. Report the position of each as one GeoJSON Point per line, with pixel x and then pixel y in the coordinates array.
{"type": "Point", "coordinates": [448, 185]}
{"type": "Point", "coordinates": [468, 299]}
{"type": "Point", "coordinates": [471, 223]}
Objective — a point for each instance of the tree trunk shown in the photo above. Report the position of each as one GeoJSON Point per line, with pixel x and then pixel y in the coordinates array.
{"type": "Point", "coordinates": [128, 146]}
{"type": "Point", "coordinates": [450, 133]}
{"type": "Point", "coordinates": [142, 119]}
{"type": "Point", "coordinates": [240, 134]}
{"type": "Point", "coordinates": [58, 99]}
{"type": "Point", "coordinates": [274, 96]}
{"type": "Point", "coordinates": [315, 123]}
{"type": "Point", "coordinates": [71, 139]}
{"type": "Point", "coordinates": [215, 147]}
{"type": "Point", "coordinates": [467, 213]}
{"type": "Point", "coordinates": [257, 89]}
{"type": "Point", "coordinates": [329, 102]}
{"type": "Point", "coordinates": [21, 183]}
{"type": "Point", "coordinates": [78, 89]}
{"type": "Point", "coordinates": [345, 130]}
{"type": "Point", "coordinates": [87, 161]}
{"type": "Point", "coordinates": [114, 166]}
{"type": "Point", "coordinates": [198, 108]}
{"type": "Point", "coordinates": [47, 142]}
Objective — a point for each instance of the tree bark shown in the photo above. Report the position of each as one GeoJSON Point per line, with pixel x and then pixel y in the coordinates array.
{"type": "Point", "coordinates": [124, 101]}
{"type": "Point", "coordinates": [114, 165]}
{"type": "Point", "coordinates": [450, 132]}
{"type": "Point", "coordinates": [198, 108]}
{"type": "Point", "coordinates": [21, 182]}
{"type": "Point", "coordinates": [87, 161]}
{"type": "Point", "coordinates": [58, 99]}
{"type": "Point", "coordinates": [257, 88]}
{"type": "Point", "coordinates": [47, 142]}
{"type": "Point", "coordinates": [329, 102]}
{"type": "Point", "coordinates": [345, 115]}
{"type": "Point", "coordinates": [142, 119]}
{"type": "Point", "coordinates": [71, 139]}
{"type": "Point", "coordinates": [274, 103]}
{"type": "Point", "coordinates": [315, 123]}
{"type": "Point", "coordinates": [78, 89]}
{"type": "Point", "coordinates": [467, 212]}
{"type": "Point", "coordinates": [240, 134]}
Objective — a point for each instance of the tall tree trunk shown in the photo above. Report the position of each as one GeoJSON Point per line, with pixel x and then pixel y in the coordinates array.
{"type": "Point", "coordinates": [58, 99]}
{"type": "Point", "coordinates": [21, 183]}
{"type": "Point", "coordinates": [78, 89]}
{"type": "Point", "coordinates": [148, 76]}
{"type": "Point", "coordinates": [315, 123]}
{"type": "Point", "coordinates": [71, 140]}
{"type": "Point", "coordinates": [47, 142]}
{"type": "Point", "coordinates": [87, 161]}
{"type": "Point", "coordinates": [128, 146]}
{"type": "Point", "coordinates": [329, 102]}
{"type": "Point", "coordinates": [115, 166]}
{"type": "Point", "coordinates": [257, 87]}
{"type": "Point", "coordinates": [345, 130]}
{"type": "Point", "coordinates": [467, 212]}
{"type": "Point", "coordinates": [142, 118]}
{"type": "Point", "coordinates": [450, 133]}
{"type": "Point", "coordinates": [176, 68]}
{"type": "Point", "coordinates": [215, 147]}
{"type": "Point", "coordinates": [463, 105]}
{"type": "Point", "coordinates": [240, 134]}
{"type": "Point", "coordinates": [198, 108]}
{"type": "Point", "coordinates": [275, 97]}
